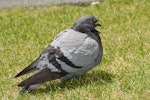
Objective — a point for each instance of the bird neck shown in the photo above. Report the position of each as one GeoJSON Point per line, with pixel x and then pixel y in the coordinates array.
{"type": "Point", "coordinates": [91, 33]}
{"type": "Point", "coordinates": [81, 29]}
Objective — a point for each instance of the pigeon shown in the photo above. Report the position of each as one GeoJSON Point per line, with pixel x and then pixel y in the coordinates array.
{"type": "Point", "coordinates": [72, 53]}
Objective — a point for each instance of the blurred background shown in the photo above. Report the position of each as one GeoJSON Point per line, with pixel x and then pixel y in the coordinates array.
{"type": "Point", "coordinates": [25, 3]}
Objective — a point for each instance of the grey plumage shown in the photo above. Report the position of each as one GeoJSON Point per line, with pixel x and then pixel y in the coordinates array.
{"type": "Point", "coordinates": [72, 53]}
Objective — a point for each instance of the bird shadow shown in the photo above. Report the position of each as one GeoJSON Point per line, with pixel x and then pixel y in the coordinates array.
{"type": "Point", "coordinates": [98, 77]}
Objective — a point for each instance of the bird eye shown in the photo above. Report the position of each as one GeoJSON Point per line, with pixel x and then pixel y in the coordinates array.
{"type": "Point", "coordinates": [90, 22]}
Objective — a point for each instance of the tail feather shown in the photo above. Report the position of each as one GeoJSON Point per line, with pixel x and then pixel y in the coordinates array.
{"type": "Point", "coordinates": [23, 89]}
{"type": "Point", "coordinates": [28, 69]}
{"type": "Point", "coordinates": [29, 88]}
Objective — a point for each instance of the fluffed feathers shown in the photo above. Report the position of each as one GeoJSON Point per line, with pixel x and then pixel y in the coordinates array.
{"type": "Point", "coordinates": [72, 53]}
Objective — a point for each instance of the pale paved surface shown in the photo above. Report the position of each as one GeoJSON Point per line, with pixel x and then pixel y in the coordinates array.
{"type": "Point", "coordinates": [25, 3]}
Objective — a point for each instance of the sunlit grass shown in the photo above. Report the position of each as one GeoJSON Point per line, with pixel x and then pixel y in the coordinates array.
{"type": "Point", "coordinates": [124, 71]}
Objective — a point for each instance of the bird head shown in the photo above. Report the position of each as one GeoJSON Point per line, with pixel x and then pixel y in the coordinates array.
{"type": "Point", "coordinates": [86, 23]}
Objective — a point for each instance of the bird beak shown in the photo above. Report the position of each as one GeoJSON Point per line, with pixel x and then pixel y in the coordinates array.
{"type": "Point", "coordinates": [97, 24]}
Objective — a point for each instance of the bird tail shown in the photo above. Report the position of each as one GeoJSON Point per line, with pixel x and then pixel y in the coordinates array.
{"type": "Point", "coordinates": [40, 77]}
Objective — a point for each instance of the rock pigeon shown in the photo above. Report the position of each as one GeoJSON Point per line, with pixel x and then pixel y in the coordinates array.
{"type": "Point", "coordinates": [73, 52]}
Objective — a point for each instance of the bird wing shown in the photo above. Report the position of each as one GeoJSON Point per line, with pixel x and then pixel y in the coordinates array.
{"type": "Point", "coordinates": [46, 59]}
{"type": "Point", "coordinates": [47, 66]}
{"type": "Point", "coordinates": [29, 68]}
{"type": "Point", "coordinates": [43, 76]}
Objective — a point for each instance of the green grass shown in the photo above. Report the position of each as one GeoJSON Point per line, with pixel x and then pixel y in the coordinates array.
{"type": "Point", "coordinates": [123, 74]}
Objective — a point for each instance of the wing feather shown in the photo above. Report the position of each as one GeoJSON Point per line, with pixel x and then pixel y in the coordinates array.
{"type": "Point", "coordinates": [28, 69]}
{"type": "Point", "coordinates": [41, 77]}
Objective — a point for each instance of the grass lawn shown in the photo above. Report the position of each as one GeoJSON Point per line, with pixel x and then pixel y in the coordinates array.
{"type": "Point", "coordinates": [123, 74]}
